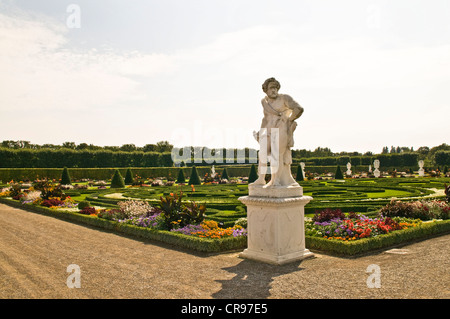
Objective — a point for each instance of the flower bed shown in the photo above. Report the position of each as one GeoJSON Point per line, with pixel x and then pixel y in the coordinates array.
{"type": "Point", "coordinates": [354, 226]}
{"type": "Point", "coordinates": [174, 221]}
{"type": "Point", "coordinates": [352, 234]}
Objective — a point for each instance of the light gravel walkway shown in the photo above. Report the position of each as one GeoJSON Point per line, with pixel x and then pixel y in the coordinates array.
{"type": "Point", "coordinates": [35, 251]}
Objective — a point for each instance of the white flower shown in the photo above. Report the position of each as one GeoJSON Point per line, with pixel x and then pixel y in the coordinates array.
{"type": "Point", "coordinates": [134, 208]}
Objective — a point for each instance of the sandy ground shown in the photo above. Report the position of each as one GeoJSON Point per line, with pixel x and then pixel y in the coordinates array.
{"type": "Point", "coordinates": [35, 251]}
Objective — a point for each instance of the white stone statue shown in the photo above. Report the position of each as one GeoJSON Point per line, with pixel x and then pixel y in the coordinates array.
{"type": "Point", "coordinates": [275, 211]}
{"type": "Point", "coordinates": [349, 171]}
{"type": "Point", "coordinates": [276, 135]}
{"type": "Point", "coordinates": [421, 170]}
{"type": "Point", "coordinates": [376, 164]}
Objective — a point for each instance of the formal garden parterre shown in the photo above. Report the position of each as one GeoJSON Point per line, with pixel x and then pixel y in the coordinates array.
{"type": "Point", "coordinates": [346, 217]}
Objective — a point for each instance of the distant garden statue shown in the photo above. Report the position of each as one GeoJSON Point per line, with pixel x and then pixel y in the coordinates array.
{"type": "Point", "coordinates": [421, 170]}
{"type": "Point", "coordinates": [349, 170]}
{"type": "Point", "coordinates": [376, 164]}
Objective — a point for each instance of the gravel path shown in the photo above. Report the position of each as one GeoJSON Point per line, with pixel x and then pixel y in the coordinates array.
{"type": "Point", "coordinates": [35, 251]}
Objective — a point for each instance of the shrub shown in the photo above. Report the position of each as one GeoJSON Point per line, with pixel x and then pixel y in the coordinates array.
{"type": "Point", "coordinates": [241, 222]}
{"type": "Point", "coordinates": [447, 192]}
{"type": "Point", "coordinates": [117, 180]}
{"type": "Point", "coordinates": [134, 208]}
{"type": "Point", "coordinates": [253, 175]}
{"type": "Point", "coordinates": [112, 214]}
{"type": "Point", "coordinates": [209, 224]}
{"type": "Point", "coordinates": [52, 202]}
{"type": "Point", "coordinates": [338, 174]}
{"type": "Point", "coordinates": [424, 210]}
{"type": "Point", "coordinates": [194, 179]}
{"type": "Point", "coordinates": [128, 177]}
{"type": "Point", "coordinates": [181, 178]}
{"type": "Point", "coordinates": [299, 176]}
{"type": "Point", "coordinates": [225, 174]}
{"type": "Point", "coordinates": [83, 204]}
{"type": "Point", "coordinates": [327, 215]}
{"type": "Point", "coordinates": [177, 214]}
{"type": "Point", "coordinates": [48, 190]}
{"type": "Point", "coordinates": [65, 177]}
{"type": "Point", "coordinates": [87, 211]}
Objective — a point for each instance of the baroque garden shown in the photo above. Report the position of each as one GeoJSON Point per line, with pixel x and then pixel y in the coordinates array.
{"type": "Point", "coordinates": [197, 207]}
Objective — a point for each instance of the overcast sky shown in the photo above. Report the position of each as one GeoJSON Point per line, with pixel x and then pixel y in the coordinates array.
{"type": "Point", "coordinates": [368, 73]}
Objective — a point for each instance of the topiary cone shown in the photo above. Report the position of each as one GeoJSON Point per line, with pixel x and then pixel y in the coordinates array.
{"type": "Point", "coordinates": [117, 180]}
{"type": "Point", "coordinates": [129, 177]}
{"type": "Point", "coordinates": [253, 175]}
{"type": "Point", "coordinates": [194, 179]}
{"type": "Point", "coordinates": [65, 177]}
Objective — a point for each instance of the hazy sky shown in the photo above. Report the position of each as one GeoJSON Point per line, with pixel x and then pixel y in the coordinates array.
{"type": "Point", "coordinates": [368, 73]}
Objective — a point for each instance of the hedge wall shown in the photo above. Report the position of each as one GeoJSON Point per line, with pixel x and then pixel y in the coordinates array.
{"type": "Point", "coordinates": [46, 158]}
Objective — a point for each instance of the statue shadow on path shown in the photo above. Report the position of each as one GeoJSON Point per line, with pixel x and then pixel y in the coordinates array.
{"type": "Point", "coordinates": [253, 280]}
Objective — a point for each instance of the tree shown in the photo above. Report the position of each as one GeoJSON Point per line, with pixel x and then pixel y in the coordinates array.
{"type": "Point", "coordinates": [194, 179]}
{"type": "Point", "coordinates": [65, 177]}
{"type": "Point", "coordinates": [129, 177]}
{"type": "Point", "coordinates": [164, 146]}
{"type": "Point", "coordinates": [181, 178]}
{"type": "Point", "coordinates": [117, 180]}
{"type": "Point", "coordinates": [70, 145]}
{"type": "Point", "coordinates": [128, 148]}
{"type": "Point", "coordinates": [149, 148]}
{"type": "Point", "coordinates": [82, 146]}
{"type": "Point", "coordinates": [299, 176]}
{"type": "Point", "coordinates": [338, 174]}
{"type": "Point", "coordinates": [253, 175]}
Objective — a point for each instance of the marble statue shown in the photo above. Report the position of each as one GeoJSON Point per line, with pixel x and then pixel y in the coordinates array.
{"type": "Point", "coordinates": [276, 135]}
{"type": "Point", "coordinates": [275, 211]}
{"type": "Point", "coordinates": [376, 164]}
{"type": "Point", "coordinates": [349, 171]}
{"type": "Point", "coordinates": [421, 170]}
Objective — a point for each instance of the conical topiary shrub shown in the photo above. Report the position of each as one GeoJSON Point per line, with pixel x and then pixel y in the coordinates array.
{"type": "Point", "coordinates": [181, 178]}
{"type": "Point", "coordinates": [117, 180]}
{"type": "Point", "coordinates": [299, 176]}
{"type": "Point", "coordinates": [194, 179]}
{"type": "Point", "coordinates": [129, 177]}
{"type": "Point", "coordinates": [338, 174]}
{"type": "Point", "coordinates": [225, 174]}
{"type": "Point", "coordinates": [65, 177]}
{"type": "Point", "coordinates": [253, 175]}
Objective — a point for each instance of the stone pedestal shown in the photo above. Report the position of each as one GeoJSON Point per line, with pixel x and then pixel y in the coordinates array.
{"type": "Point", "coordinates": [276, 228]}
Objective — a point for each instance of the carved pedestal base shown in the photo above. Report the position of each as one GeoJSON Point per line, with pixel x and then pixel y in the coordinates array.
{"type": "Point", "coordinates": [276, 229]}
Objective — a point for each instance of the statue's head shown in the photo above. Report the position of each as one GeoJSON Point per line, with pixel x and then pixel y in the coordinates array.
{"type": "Point", "coordinates": [271, 87]}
